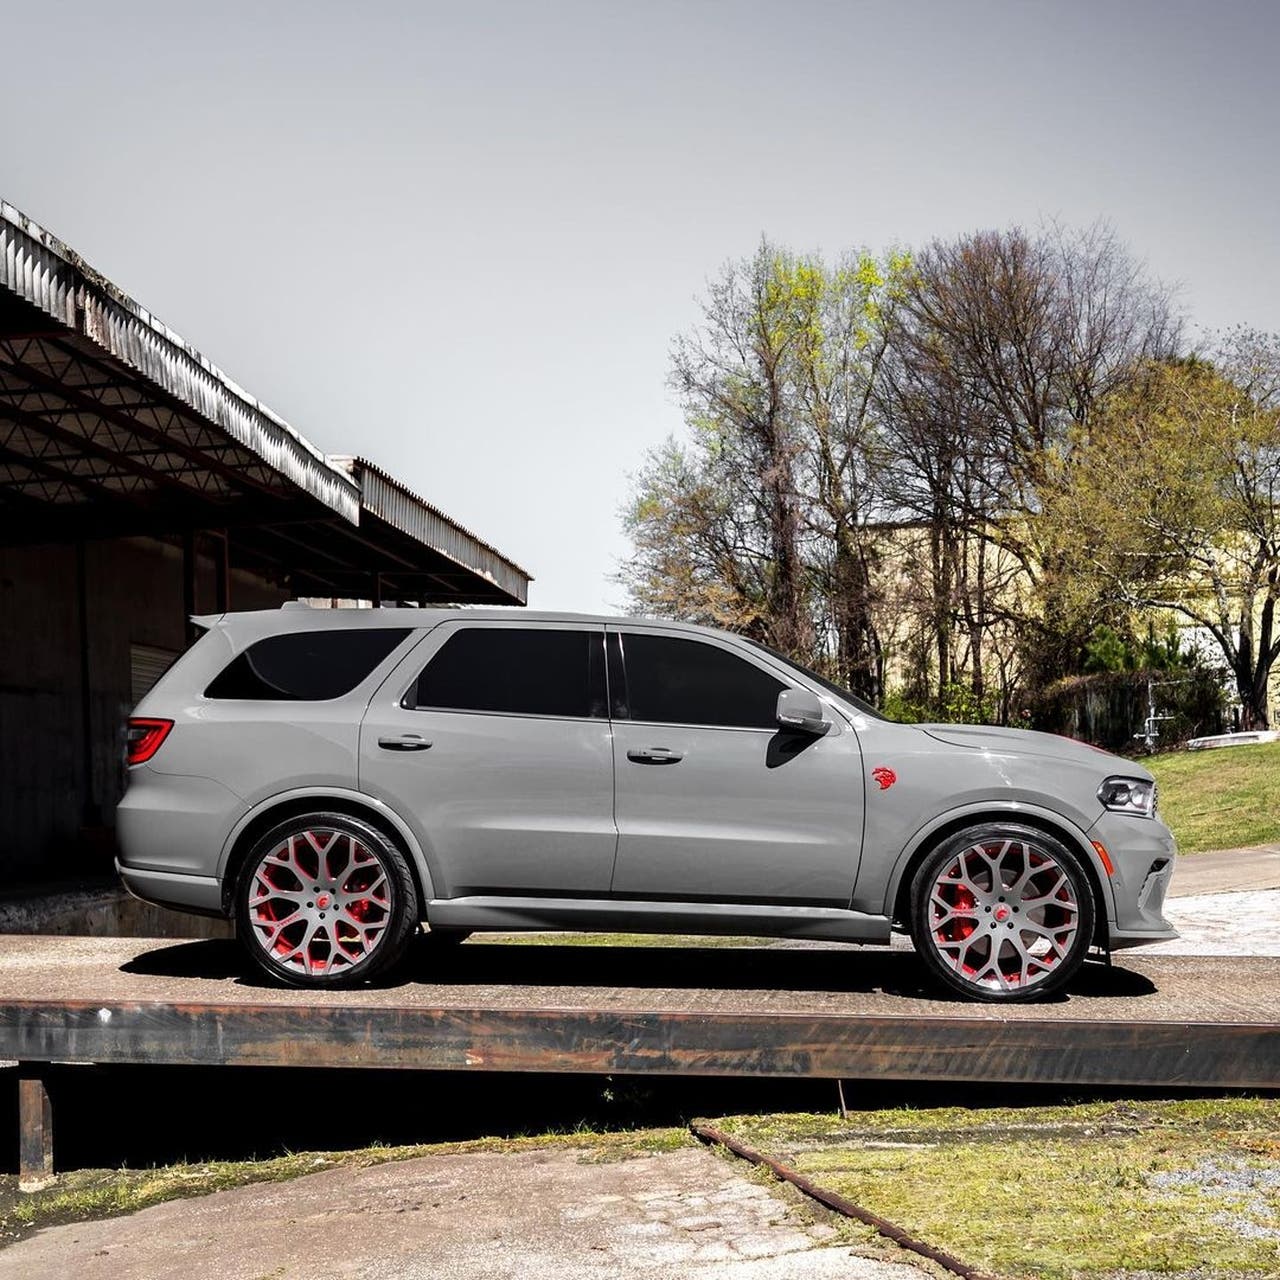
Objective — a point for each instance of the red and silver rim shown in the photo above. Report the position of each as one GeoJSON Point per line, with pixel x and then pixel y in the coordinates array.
{"type": "Point", "coordinates": [1003, 915]}
{"type": "Point", "coordinates": [319, 902]}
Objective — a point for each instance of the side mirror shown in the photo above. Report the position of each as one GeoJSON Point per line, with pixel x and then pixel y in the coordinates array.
{"type": "Point", "coordinates": [801, 710]}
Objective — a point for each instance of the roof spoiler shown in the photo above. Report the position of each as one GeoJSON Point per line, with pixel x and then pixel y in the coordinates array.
{"type": "Point", "coordinates": [206, 621]}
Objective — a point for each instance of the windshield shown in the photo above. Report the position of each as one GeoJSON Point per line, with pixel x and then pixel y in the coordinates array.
{"type": "Point", "coordinates": [865, 708]}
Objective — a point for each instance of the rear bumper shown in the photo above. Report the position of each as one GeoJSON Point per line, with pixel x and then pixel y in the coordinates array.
{"type": "Point", "coordinates": [199, 895]}
{"type": "Point", "coordinates": [175, 822]}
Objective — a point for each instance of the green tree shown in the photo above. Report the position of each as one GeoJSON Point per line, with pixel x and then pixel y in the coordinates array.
{"type": "Point", "coordinates": [1170, 499]}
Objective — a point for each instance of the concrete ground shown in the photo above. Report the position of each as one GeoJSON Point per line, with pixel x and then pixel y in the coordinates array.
{"type": "Point", "coordinates": [1223, 924]}
{"type": "Point", "coordinates": [1225, 903]}
{"type": "Point", "coordinates": [537, 1214]}
{"type": "Point", "coordinates": [1227, 871]}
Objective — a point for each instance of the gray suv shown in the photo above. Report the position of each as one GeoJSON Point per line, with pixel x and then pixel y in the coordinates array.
{"type": "Point", "coordinates": [332, 778]}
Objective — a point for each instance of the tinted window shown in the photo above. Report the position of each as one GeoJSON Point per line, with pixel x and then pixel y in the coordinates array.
{"type": "Point", "coordinates": [857, 703]}
{"type": "Point", "coordinates": [516, 672]}
{"type": "Point", "coordinates": [688, 682]}
{"type": "Point", "coordinates": [305, 666]}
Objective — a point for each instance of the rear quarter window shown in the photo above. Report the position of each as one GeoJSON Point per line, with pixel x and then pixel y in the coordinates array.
{"type": "Point", "coordinates": [305, 666]}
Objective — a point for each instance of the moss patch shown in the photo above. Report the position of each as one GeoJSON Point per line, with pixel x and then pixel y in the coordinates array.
{"type": "Point", "coordinates": [1060, 1193]}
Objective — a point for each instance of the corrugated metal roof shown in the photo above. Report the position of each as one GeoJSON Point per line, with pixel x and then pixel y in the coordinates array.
{"type": "Point", "coordinates": [400, 507]}
{"type": "Point", "coordinates": [39, 268]}
{"type": "Point", "coordinates": [44, 272]}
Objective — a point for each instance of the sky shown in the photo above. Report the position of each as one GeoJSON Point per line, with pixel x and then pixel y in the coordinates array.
{"type": "Point", "coordinates": [459, 238]}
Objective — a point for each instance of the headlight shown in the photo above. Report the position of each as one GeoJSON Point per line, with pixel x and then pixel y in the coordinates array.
{"type": "Point", "coordinates": [1128, 795]}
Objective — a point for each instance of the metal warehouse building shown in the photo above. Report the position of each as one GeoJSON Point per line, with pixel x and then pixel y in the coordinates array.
{"type": "Point", "coordinates": [138, 486]}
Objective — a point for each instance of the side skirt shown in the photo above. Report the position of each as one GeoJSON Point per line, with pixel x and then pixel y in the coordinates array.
{"type": "Point", "coordinates": [634, 916]}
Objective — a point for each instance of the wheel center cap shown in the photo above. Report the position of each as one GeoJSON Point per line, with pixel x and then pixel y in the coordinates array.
{"type": "Point", "coordinates": [1002, 913]}
{"type": "Point", "coordinates": [322, 901]}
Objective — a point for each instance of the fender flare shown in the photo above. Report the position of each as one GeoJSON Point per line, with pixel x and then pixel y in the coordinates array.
{"type": "Point", "coordinates": [358, 799]}
{"type": "Point", "coordinates": [1011, 811]}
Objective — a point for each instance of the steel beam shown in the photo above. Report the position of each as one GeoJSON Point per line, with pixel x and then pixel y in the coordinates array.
{"type": "Point", "coordinates": [1042, 1050]}
{"type": "Point", "coordinates": [118, 415]}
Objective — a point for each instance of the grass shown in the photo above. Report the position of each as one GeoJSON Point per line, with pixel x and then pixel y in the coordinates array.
{"type": "Point", "coordinates": [85, 1194]}
{"type": "Point", "coordinates": [1101, 1190]}
{"type": "Point", "coordinates": [1225, 798]}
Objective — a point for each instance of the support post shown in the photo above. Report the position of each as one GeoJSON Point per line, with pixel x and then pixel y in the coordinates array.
{"type": "Point", "coordinates": [89, 812]}
{"type": "Point", "coordinates": [188, 584]}
{"type": "Point", "coordinates": [222, 573]}
{"type": "Point", "coordinates": [35, 1129]}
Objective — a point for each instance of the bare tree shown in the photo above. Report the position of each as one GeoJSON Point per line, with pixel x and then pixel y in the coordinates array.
{"type": "Point", "coordinates": [731, 374]}
{"type": "Point", "coordinates": [1005, 341]}
{"type": "Point", "coordinates": [760, 521]}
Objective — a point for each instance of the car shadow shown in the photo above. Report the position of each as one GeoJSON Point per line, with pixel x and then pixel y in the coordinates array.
{"type": "Point", "coordinates": [683, 968]}
{"type": "Point", "coordinates": [217, 958]}
{"type": "Point", "coordinates": [718, 968]}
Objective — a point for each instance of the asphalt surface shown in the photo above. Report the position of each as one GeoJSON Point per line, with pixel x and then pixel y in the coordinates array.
{"type": "Point", "coordinates": [533, 1215]}
{"type": "Point", "coordinates": [828, 980]}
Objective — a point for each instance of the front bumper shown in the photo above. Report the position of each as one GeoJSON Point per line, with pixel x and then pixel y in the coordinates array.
{"type": "Point", "coordinates": [1143, 852]}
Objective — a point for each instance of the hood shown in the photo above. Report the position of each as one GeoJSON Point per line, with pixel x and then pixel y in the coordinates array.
{"type": "Point", "coordinates": [1027, 742]}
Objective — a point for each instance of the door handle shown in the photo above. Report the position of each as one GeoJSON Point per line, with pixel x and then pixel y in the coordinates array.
{"type": "Point", "coordinates": [405, 742]}
{"type": "Point", "coordinates": [655, 755]}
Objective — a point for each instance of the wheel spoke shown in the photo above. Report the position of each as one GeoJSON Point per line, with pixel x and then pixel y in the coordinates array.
{"type": "Point", "coordinates": [271, 893]}
{"type": "Point", "coordinates": [275, 927]}
{"type": "Point", "coordinates": [1019, 886]}
{"type": "Point", "coordinates": [338, 873]}
{"type": "Point", "coordinates": [375, 891]}
{"type": "Point", "coordinates": [1044, 899]}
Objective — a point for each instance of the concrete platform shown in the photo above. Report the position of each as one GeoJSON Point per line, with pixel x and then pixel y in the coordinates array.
{"type": "Point", "coordinates": [822, 1010]}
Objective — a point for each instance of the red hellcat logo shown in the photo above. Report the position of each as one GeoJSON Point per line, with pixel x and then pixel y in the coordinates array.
{"type": "Point", "coordinates": [885, 777]}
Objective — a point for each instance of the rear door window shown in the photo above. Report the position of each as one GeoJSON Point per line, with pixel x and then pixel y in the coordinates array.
{"type": "Point", "coordinates": [676, 681]}
{"type": "Point", "coordinates": [515, 671]}
{"type": "Point", "coordinates": [305, 666]}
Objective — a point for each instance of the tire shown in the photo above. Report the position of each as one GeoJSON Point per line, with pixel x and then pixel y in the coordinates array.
{"type": "Point", "coordinates": [288, 889]}
{"type": "Point", "coordinates": [1041, 911]}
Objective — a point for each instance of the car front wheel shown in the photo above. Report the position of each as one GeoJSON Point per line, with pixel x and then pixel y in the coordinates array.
{"type": "Point", "coordinates": [1002, 912]}
{"type": "Point", "coordinates": [325, 900]}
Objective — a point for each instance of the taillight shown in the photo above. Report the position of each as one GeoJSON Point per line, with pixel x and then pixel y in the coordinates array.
{"type": "Point", "coordinates": [144, 738]}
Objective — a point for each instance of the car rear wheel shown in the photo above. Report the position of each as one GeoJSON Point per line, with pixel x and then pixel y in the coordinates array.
{"type": "Point", "coordinates": [1002, 913]}
{"type": "Point", "coordinates": [325, 900]}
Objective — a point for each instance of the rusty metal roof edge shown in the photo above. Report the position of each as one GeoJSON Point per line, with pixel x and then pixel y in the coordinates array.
{"type": "Point", "coordinates": [48, 273]}
{"type": "Point", "coordinates": [399, 506]}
